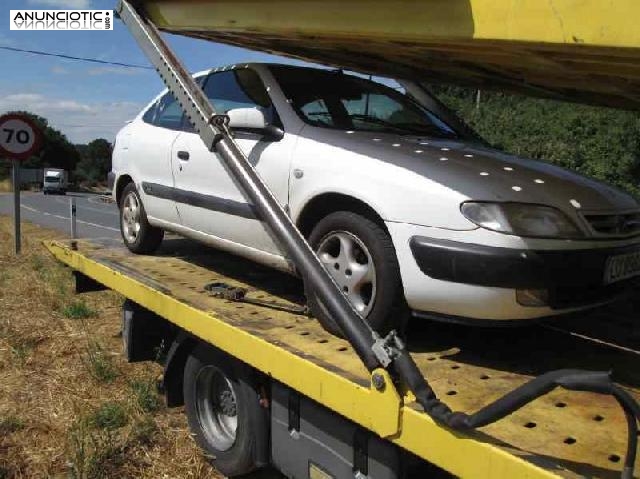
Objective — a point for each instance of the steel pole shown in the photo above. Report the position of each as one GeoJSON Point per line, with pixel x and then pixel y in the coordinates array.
{"type": "Point", "coordinates": [217, 139]}
{"type": "Point", "coordinates": [16, 204]}
{"type": "Point", "coordinates": [72, 217]}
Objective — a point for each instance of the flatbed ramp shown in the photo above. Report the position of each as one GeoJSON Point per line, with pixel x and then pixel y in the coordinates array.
{"type": "Point", "coordinates": [562, 434]}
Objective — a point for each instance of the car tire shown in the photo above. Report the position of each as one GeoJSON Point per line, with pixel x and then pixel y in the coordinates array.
{"type": "Point", "coordinates": [138, 235]}
{"type": "Point", "coordinates": [224, 411]}
{"type": "Point", "coordinates": [379, 294]}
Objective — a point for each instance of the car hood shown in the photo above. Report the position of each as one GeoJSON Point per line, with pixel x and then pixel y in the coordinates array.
{"type": "Point", "coordinates": [482, 173]}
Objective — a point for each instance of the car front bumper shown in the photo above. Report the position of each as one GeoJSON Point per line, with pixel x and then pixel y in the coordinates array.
{"type": "Point", "coordinates": [460, 275]}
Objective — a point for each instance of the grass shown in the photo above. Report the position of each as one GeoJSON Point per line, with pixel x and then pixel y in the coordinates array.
{"type": "Point", "coordinates": [144, 431]}
{"type": "Point", "coordinates": [146, 395]}
{"type": "Point", "coordinates": [19, 344]}
{"type": "Point", "coordinates": [11, 424]}
{"type": "Point", "coordinates": [78, 310]}
{"type": "Point", "coordinates": [5, 185]}
{"type": "Point", "coordinates": [76, 408]}
{"type": "Point", "coordinates": [92, 454]}
{"type": "Point", "coordinates": [99, 364]}
{"type": "Point", "coordinates": [111, 415]}
{"type": "Point", "coordinates": [21, 349]}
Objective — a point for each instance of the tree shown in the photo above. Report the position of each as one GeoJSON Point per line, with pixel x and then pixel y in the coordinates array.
{"type": "Point", "coordinates": [95, 162]}
{"type": "Point", "coordinates": [598, 142]}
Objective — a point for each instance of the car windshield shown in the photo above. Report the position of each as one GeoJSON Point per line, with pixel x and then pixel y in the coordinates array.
{"type": "Point", "coordinates": [332, 99]}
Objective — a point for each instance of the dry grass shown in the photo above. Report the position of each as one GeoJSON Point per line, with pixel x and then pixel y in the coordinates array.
{"type": "Point", "coordinates": [69, 404]}
{"type": "Point", "coordinates": [5, 186]}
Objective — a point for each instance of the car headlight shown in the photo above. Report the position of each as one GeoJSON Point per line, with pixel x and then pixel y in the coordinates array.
{"type": "Point", "coordinates": [521, 219]}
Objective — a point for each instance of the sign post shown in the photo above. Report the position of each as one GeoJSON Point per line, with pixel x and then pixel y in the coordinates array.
{"type": "Point", "coordinates": [16, 202]}
{"type": "Point", "coordinates": [19, 139]}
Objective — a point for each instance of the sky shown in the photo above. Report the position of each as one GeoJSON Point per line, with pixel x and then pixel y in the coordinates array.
{"type": "Point", "coordinates": [86, 101]}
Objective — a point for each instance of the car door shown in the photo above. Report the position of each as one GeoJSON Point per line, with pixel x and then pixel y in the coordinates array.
{"type": "Point", "coordinates": [150, 144]}
{"type": "Point", "coordinates": [209, 200]}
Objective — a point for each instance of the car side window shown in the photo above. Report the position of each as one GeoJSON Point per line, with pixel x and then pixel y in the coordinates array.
{"type": "Point", "coordinates": [168, 113]}
{"type": "Point", "coordinates": [317, 111]}
{"type": "Point", "coordinates": [240, 88]}
{"type": "Point", "coordinates": [150, 114]}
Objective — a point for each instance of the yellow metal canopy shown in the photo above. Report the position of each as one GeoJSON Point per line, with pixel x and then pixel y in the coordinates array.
{"type": "Point", "coordinates": [579, 50]}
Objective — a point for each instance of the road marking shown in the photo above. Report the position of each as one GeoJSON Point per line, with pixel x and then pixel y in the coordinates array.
{"type": "Point", "coordinates": [95, 225]}
{"type": "Point", "coordinates": [89, 208]}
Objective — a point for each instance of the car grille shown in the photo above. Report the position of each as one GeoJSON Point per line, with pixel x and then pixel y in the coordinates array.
{"type": "Point", "coordinates": [576, 296]}
{"type": "Point", "coordinates": [615, 225]}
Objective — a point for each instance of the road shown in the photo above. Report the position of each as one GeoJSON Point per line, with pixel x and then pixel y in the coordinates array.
{"type": "Point", "coordinates": [95, 218]}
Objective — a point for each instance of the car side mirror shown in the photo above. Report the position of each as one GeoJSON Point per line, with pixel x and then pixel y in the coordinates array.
{"type": "Point", "coordinates": [253, 120]}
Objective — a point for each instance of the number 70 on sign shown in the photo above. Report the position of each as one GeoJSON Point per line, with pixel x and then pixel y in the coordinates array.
{"type": "Point", "coordinates": [19, 137]}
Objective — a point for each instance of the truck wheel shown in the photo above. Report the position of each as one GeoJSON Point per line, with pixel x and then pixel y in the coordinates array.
{"type": "Point", "coordinates": [138, 235]}
{"type": "Point", "coordinates": [224, 412]}
{"type": "Point", "coordinates": [360, 256]}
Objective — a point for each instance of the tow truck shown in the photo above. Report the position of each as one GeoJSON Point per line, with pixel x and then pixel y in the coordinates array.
{"type": "Point", "coordinates": [264, 384]}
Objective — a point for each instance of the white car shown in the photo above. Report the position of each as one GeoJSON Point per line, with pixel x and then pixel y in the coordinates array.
{"type": "Point", "coordinates": [408, 210]}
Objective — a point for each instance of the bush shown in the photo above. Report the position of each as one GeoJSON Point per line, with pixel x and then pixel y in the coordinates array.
{"type": "Point", "coordinates": [598, 142]}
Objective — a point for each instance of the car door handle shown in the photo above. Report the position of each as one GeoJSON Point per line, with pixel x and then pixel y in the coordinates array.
{"type": "Point", "coordinates": [183, 155]}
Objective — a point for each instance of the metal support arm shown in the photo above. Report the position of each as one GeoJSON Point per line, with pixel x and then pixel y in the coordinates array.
{"type": "Point", "coordinates": [216, 137]}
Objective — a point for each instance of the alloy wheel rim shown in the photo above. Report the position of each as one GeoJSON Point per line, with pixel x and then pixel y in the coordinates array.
{"type": "Point", "coordinates": [131, 218]}
{"type": "Point", "coordinates": [351, 265]}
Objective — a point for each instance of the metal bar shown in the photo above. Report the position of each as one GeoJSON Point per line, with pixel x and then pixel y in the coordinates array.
{"type": "Point", "coordinates": [16, 205]}
{"type": "Point", "coordinates": [371, 349]}
{"type": "Point", "coordinates": [217, 139]}
{"type": "Point", "coordinates": [72, 217]}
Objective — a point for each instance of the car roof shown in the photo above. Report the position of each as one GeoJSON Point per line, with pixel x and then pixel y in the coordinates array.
{"type": "Point", "coordinates": [237, 66]}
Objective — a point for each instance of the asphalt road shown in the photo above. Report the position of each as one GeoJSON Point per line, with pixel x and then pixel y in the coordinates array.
{"type": "Point", "coordinates": [95, 218]}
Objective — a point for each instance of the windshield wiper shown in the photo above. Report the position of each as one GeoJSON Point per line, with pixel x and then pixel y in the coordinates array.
{"type": "Point", "coordinates": [377, 121]}
{"type": "Point", "coordinates": [410, 128]}
{"type": "Point", "coordinates": [431, 130]}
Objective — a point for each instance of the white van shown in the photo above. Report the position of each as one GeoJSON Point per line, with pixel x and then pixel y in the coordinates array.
{"type": "Point", "coordinates": [55, 181]}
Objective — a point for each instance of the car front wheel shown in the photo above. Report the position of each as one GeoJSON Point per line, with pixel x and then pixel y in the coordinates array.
{"type": "Point", "coordinates": [138, 235]}
{"type": "Point", "coordinates": [359, 255]}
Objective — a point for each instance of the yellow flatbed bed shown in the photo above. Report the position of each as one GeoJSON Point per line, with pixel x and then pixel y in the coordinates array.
{"type": "Point", "coordinates": [562, 434]}
{"type": "Point", "coordinates": [579, 50]}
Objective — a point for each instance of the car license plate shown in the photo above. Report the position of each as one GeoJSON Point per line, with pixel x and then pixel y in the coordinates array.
{"type": "Point", "coordinates": [622, 267]}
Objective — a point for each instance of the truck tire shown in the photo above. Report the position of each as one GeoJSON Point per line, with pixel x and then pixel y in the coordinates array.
{"type": "Point", "coordinates": [360, 256]}
{"type": "Point", "coordinates": [224, 411]}
{"type": "Point", "coordinates": [138, 235]}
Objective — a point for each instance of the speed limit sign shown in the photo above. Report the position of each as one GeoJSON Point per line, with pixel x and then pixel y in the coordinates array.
{"type": "Point", "coordinates": [19, 137]}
